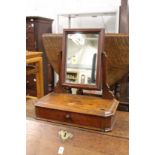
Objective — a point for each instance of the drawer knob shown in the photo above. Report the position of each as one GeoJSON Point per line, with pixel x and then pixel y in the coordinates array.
{"type": "Point", "coordinates": [68, 116]}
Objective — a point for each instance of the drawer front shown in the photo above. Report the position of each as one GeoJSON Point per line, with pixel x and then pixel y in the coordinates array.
{"type": "Point", "coordinates": [69, 117]}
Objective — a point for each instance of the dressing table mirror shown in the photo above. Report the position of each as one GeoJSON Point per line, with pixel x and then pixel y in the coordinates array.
{"type": "Point", "coordinates": [83, 66]}
{"type": "Point", "coordinates": [81, 58]}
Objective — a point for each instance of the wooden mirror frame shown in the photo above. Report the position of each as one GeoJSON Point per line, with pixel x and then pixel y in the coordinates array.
{"type": "Point", "coordinates": [98, 83]}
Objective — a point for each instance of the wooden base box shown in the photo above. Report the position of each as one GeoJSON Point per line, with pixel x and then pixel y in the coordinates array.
{"type": "Point", "coordinates": [79, 110]}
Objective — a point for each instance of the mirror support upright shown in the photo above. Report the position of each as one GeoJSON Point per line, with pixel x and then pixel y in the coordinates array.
{"type": "Point", "coordinates": [58, 88]}
{"type": "Point", "coordinates": [106, 93]}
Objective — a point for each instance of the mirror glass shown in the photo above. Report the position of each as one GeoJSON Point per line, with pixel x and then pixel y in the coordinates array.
{"type": "Point", "coordinates": [81, 58]}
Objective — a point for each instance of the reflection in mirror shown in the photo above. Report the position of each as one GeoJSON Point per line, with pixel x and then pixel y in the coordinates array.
{"type": "Point", "coordinates": [81, 58]}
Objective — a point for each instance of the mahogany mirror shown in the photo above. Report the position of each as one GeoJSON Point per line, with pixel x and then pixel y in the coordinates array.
{"type": "Point", "coordinates": [81, 58]}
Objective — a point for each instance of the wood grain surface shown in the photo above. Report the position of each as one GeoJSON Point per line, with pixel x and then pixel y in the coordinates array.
{"type": "Point", "coordinates": [78, 103]}
{"type": "Point", "coordinates": [80, 110]}
{"type": "Point", "coordinates": [43, 139]}
{"type": "Point", "coordinates": [121, 128]}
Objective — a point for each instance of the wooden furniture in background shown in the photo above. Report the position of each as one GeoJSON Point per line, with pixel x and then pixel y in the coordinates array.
{"type": "Point", "coordinates": [117, 49]}
{"type": "Point", "coordinates": [35, 27]}
{"type": "Point", "coordinates": [124, 17]}
{"type": "Point", "coordinates": [53, 48]}
{"type": "Point", "coordinates": [123, 85]}
{"type": "Point", "coordinates": [122, 93]}
{"type": "Point", "coordinates": [35, 67]}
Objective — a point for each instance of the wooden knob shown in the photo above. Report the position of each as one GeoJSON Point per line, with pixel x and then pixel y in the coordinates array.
{"type": "Point", "coordinates": [68, 116]}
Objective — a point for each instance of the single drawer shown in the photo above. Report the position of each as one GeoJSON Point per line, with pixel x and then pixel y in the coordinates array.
{"type": "Point", "coordinates": [73, 118]}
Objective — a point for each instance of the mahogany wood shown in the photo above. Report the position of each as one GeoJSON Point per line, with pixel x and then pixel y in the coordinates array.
{"type": "Point", "coordinates": [35, 27]}
{"type": "Point", "coordinates": [106, 93]}
{"type": "Point", "coordinates": [86, 111]}
{"type": "Point", "coordinates": [81, 110]}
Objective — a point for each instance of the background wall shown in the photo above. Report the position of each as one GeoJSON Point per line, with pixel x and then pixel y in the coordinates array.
{"type": "Point", "coordinates": [50, 9]}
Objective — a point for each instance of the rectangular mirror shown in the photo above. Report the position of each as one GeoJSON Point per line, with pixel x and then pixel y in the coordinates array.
{"type": "Point", "coordinates": [81, 58]}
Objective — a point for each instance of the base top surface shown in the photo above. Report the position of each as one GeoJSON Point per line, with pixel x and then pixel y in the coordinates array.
{"type": "Point", "coordinates": [78, 103]}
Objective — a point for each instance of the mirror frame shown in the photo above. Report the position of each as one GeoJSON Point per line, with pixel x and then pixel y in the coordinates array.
{"type": "Point", "coordinates": [97, 85]}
